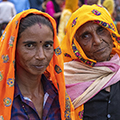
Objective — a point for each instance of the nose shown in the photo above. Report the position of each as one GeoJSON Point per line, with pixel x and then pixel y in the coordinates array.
{"type": "Point", "coordinates": [40, 55]}
{"type": "Point", "coordinates": [96, 40]}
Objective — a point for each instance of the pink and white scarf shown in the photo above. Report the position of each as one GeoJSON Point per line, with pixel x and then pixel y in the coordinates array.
{"type": "Point", "coordinates": [83, 82]}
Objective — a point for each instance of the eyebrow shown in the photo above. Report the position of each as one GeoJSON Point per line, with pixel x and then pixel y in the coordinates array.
{"type": "Point", "coordinates": [49, 41]}
{"type": "Point", "coordinates": [26, 42]}
{"type": "Point", "coordinates": [99, 27]}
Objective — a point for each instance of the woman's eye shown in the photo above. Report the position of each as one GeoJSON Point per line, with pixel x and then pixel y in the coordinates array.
{"type": "Point", "coordinates": [30, 45]}
{"type": "Point", "coordinates": [85, 36]}
{"type": "Point", "coordinates": [48, 45]}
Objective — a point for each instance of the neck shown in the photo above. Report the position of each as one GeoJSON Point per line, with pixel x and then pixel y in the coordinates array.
{"type": "Point", "coordinates": [30, 85]}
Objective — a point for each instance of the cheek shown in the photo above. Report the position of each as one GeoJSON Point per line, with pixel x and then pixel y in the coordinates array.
{"type": "Point", "coordinates": [49, 54]}
{"type": "Point", "coordinates": [109, 40]}
{"type": "Point", "coordinates": [86, 48]}
{"type": "Point", "coordinates": [22, 58]}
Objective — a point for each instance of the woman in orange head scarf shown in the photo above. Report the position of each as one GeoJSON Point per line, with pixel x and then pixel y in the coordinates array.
{"type": "Point", "coordinates": [91, 49]}
{"type": "Point", "coordinates": [26, 49]}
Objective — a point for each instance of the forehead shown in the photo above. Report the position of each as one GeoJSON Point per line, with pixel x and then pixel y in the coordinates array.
{"type": "Point", "coordinates": [38, 32]}
{"type": "Point", "coordinates": [88, 27]}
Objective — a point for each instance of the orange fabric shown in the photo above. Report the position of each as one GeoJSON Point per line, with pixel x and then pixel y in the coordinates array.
{"type": "Point", "coordinates": [79, 112]}
{"type": "Point", "coordinates": [7, 70]}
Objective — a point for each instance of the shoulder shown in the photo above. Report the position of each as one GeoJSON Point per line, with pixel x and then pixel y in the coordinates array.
{"type": "Point", "coordinates": [10, 3]}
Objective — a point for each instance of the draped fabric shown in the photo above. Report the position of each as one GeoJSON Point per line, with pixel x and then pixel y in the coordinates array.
{"type": "Point", "coordinates": [83, 81]}
{"type": "Point", "coordinates": [7, 68]}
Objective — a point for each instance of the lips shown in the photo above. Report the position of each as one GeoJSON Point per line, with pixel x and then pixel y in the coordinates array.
{"type": "Point", "coordinates": [39, 66]}
{"type": "Point", "coordinates": [100, 50]}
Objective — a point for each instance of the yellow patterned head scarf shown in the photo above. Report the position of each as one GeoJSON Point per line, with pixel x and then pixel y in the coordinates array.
{"type": "Point", "coordinates": [7, 70]}
{"type": "Point", "coordinates": [96, 13]}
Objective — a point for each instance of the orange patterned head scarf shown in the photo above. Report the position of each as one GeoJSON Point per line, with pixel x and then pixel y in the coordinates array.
{"type": "Point", "coordinates": [7, 71]}
{"type": "Point", "coordinates": [96, 13]}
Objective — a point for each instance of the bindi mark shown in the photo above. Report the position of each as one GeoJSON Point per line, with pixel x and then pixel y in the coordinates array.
{"type": "Point", "coordinates": [39, 25]}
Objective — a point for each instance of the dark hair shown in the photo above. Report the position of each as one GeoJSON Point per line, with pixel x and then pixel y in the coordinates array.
{"type": "Point", "coordinates": [32, 19]}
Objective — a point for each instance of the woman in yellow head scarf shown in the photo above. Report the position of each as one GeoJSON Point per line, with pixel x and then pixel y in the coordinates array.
{"type": "Point", "coordinates": [91, 50]}
{"type": "Point", "coordinates": [26, 49]}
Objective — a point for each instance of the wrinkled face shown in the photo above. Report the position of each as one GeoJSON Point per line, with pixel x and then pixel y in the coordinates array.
{"type": "Point", "coordinates": [35, 49]}
{"type": "Point", "coordinates": [95, 41]}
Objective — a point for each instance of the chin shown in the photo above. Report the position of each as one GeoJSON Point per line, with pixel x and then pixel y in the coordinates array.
{"type": "Point", "coordinates": [102, 60]}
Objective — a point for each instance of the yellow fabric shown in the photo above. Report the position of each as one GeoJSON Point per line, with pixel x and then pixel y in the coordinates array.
{"type": "Point", "coordinates": [99, 2]}
{"type": "Point", "coordinates": [65, 16]}
{"type": "Point", "coordinates": [109, 5]}
{"type": "Point", "coordinates": [71, 49]}
{"type": "Point", "coordinates": [7, 70]}
{"type": "Point", "coordinates": [79, 112]}
{"type": "Point", "coordinates": [70, 5]}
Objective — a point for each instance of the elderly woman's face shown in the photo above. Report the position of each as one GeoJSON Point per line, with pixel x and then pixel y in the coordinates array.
{"type": "Point", "coordinates": [95, 41]}
{"type": "Point", "coordinates": [35, 49]}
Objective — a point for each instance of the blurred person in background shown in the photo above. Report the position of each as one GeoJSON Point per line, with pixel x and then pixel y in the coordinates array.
{"type": "Point", "coordinates": [21, 5]}
{"type": "Point", "coordinates": [117, 8]}
{"type": "Point", "coordinates": [110, 6]}
{"type": "Point", "coordinates": [36, 4]}
{"type": "Point", "coordinates": [44, 5]}
{"type": "Point", "coordinates": [7, 11]}
{"type": "Point", "coordinates": [53, 8]}
{"type": "Point", "coordinates": [91, 2]}
{"type": "Point", "coordinates": [66, 14]}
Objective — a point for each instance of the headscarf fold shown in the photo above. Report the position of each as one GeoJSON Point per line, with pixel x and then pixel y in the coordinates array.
{"type": "Point", "coordinates": [7, 68]}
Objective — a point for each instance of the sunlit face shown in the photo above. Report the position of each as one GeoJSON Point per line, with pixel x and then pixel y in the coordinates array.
{"type": "Point", "coordinates": [95, 41]}
{"type": "Point", "coordinates": [35, 49]}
